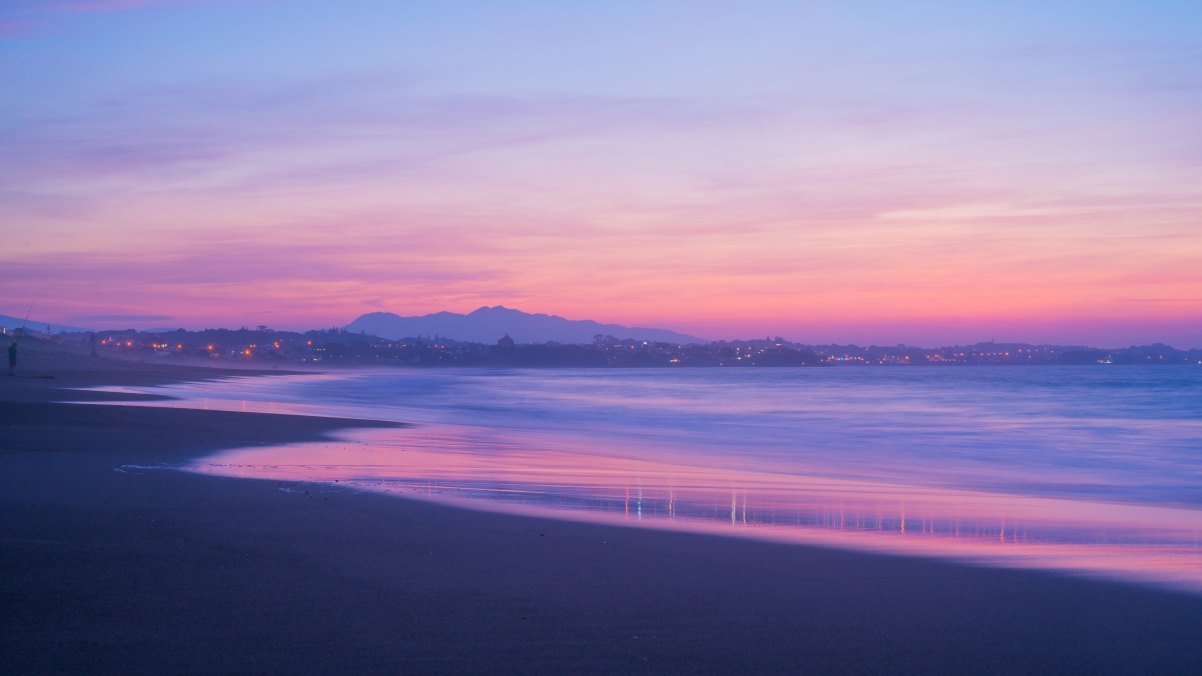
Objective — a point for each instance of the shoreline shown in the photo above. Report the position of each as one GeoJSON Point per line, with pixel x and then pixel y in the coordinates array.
{"type": "Point", "coordinates": [150, 571]}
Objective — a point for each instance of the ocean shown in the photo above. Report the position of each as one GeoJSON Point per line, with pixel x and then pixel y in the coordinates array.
{"type": "Point", "coordinates": [1086, 470]}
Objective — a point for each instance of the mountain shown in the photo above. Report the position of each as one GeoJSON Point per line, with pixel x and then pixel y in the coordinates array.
{"type": "Point", "coordinates": [488, 324]}
{"type": "Point", "coordinates": [11, 323]}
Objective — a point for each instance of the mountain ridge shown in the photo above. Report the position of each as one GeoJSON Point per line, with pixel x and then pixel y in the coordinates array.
{"type": "Point", "coordinates": [11, 323]}
{"type": "Point", "coordinates": [488, 324]}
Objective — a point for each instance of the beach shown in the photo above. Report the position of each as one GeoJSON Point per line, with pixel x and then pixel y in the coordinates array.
{"type": "Point", "coordinates": [111, 564]}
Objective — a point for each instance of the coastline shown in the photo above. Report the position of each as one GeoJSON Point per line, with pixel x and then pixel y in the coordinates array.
{"type": "Point", "coordinates": [114, 569]}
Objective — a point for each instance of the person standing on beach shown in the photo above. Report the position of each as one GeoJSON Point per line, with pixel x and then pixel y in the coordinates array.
{"type": "Point", "coordinates": [12, 359]}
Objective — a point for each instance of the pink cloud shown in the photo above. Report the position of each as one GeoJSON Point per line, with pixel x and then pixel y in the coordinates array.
{"type": "Point", "coordinates": [14, 28]}
{"type": "Point", "coordinates": [312, 203]}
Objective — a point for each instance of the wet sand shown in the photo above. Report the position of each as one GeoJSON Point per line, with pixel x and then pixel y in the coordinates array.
{"type": "Point", "coordinates": [108, 565]}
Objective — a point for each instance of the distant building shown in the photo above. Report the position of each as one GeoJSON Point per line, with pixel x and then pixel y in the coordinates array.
{"type": "Point", "coordinates": [505, 341]}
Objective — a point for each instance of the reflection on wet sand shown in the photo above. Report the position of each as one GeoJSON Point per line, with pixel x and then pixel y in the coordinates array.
{"type": "Point", "coordinates": [555, 476]}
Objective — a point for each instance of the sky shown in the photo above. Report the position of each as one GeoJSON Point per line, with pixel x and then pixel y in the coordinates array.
{"type": "Point", "coordinates": [925, 173]}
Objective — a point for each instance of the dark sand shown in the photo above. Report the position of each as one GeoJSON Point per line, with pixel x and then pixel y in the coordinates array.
{"type": "Point", "coordinates": [159, 571]}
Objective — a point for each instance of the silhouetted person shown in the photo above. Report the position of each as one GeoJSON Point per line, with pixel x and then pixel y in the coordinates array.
{"type": "Point", "coordinates": [12, 359]}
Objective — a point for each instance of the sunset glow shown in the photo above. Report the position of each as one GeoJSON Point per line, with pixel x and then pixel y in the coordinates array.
{"type": "Point", "coordinates": [824, 171]}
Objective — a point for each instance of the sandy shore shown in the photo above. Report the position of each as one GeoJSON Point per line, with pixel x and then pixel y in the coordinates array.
{"type": "Point", "coordinates": [108, 565]}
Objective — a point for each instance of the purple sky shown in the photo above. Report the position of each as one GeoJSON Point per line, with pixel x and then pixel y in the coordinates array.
{"type": "Point", "coordinates": [925, 173]}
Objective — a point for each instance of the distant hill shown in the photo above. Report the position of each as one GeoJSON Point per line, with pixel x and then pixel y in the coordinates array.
{"type": "Point", "coordinates": [35, 326]}
{"type": "Point", "coordinates": [488, 324]}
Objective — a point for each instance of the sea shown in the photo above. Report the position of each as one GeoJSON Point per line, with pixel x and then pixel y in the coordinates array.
{"type": "Point", "coordinates": [1084, 470]}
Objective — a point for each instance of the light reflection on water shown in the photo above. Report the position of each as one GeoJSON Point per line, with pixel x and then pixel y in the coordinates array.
{"type": "Point", "coordinates": [1091, 470]}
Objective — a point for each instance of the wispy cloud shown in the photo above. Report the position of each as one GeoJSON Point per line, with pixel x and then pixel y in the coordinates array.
{"type": "Point", "coordinates": [819, 185]}
{"type": "Point", "coordinates": [122, 318]}
{"type": "Point", "coordinates": [12, 28]}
